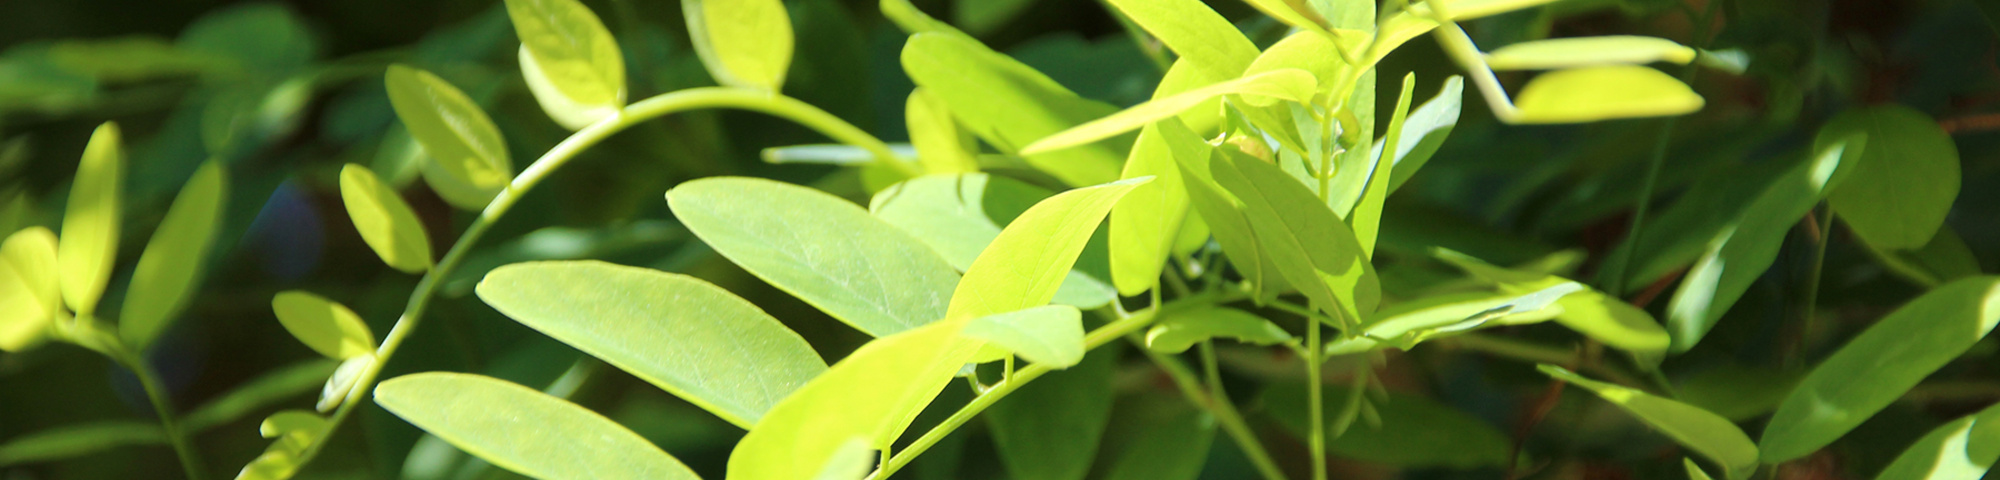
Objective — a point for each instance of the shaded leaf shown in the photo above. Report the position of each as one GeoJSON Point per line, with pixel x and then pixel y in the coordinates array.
{"type": "Point", "coordinates": [269, 389]}
{"type": "Point", "coordinates": [30, 296]}
{"type": "Point", "coordinates": [523, 430]}
{"type": "Point", "coordinates": [165, 278]}
{"type": "Point", "coordinates": [457, 136]}
{"type": "Point", "coordinates": [1314, 250]}
{"type": "Point", "coordinates": [1414, 432]}
{"type": "Point", "coordinates": [1172, 449]}
{"type": "Point", "coordinates": [1700, 430]}
{"type": "Point", "coordinates": [76, 440]}
{"type": "Point", "coordinates": [1050, 428]}
{"type": "Point", "coordinates": [1904, 181]}
{"type": "Point", "coordinates": [1176, 331]}
{"type": "Point", "coordinates": [959, 215]}
{"type": "Point", "coordinates": [1945, 258]}
{"type": "Point", "coordinates": [1963, 449]}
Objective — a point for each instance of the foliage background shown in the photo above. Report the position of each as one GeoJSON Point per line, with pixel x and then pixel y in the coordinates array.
{"type": "Point", "coordinates": [1503, 193]}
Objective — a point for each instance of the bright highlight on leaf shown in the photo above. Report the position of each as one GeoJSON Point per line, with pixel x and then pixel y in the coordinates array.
{"type": "Point", "coordinates": [1008, 104]}
{"type": "Point", "coordinates": [523, 430]}
{"type": "Point", "coordinates": [384, 221]}
{"type": "Point", "coordinates": [569, 60]}
{"type": "Point", "coordinates": [1202, 38]}
{"type": "Point", "coordinates": [959, 215]}
{"type": "Point", "coordinates": [29, 293]}
{"type": "Point", "coordinates": [744, 43]}
{"type": "Point", "coordinates": [89, 241]}
{"type": "Point", "coordinates": [1287, 84]}
{"type": "Point", "coordinates": [1028, 260]}
{"type": "Point", "coordinates": [327, 327]}
{"type": "Point", "coordinates": [1588, 51]}
{"type": "Point", "coordinates": [166, 276]}
{"type": "Point", "coordinates": [1710, 434]}
{"type": "Point", "coordinates": [1591, 94]}
{"type": "Point", "coordinates": [454, 132]}
{"type": "Point", "coordinates": [1963, 449]}
{"type": "Point", "coordinates": [1312, 248]}
{"type": "Point", "coordinates": [1050, 334]}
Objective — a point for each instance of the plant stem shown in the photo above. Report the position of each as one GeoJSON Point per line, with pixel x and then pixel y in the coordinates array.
{"type": "Point", "coordinates": [1315, 411]}
{"type": "Point", "coordinates": [1225, 414]}
{"type": "Point", "coordinates": [999, 390]}
{"type": "Point", "coordinates": [1812, 284]}
{"type": "Point", "coordinates": [641, 111]}
{"type": "Point", "coordinates": [156, 393]}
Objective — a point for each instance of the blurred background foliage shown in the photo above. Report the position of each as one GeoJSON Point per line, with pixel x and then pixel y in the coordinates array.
{"type": "Point", "coordinates": [286, 93]}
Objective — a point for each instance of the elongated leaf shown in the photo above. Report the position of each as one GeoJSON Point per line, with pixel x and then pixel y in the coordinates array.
{"type": "Point", "coordinates": [1050, 334]}
{"type": "Point", "coordinates": [1304, 50]}
{"type": "Point", "coordinates": [29, 291]}
{"type": "Point", "coordinates": [1008, 104]}
{"type": "Point", "coordinates": [165, 278]}
{"type": "Point", "coordinates": [295, 430]}
{"type": "Point", "coordinates": [686, 336]}
{"type": "Point", "coordinates": [328, 327]}
{"type": "Point", "coordinates": [1175, 331]}
{"type": "Point", "coordinates": [1590, 94]}
{"type": "Point", "coordinates": [262, 392]}
{"type": "Point", "coordinates": [1028, 260]}
{"type": "Point", "coordinates": [744, 43]}
{"type": "Point", "coordinates": [1366, 218]}
{"type": "Point", "coordinates": [71, 441]}
{"type": "Point", "coordinates": [936, 137]}
{"type": "Point", "coordinates": [1143, 225]}
{"type": "Point", "coordinates": [89, 241]}
{"type": "Point", "coordinates": [457, 136]}
{"type": "Point", "coordinates": [1223, 213]}
{"type": "Point", "coordinates": [831, 154]}
{"type": "Point", "coordinates": [1201, 37]}
{"type": "Point", "coordinates": [1588, 51]}
{"type": "Point", "coordinates": [1904, 181]}
{"type": "Point", "coordinates": [1171, 449]}
{"type": "Point", "coordinates": [1409, 323]}
{"type": "Point", "coordinates": [1292, 12]}
{"type": "Point", "coordinates": [1286, 84]}
{"type": "Point", "coordinates": [570, 61]}
{"type": "Point", "coordinates": [1425, 130]}
{"type": "Point", "coordinates": [1311, 247]}
{"type": "Point", "coordinates": [1738, 393]}
{"type": "Point", "coordinates": [523, 430]}
{"type": "Point", "coordinates": [1744, 250]}
{"type": "Point", "coordinates": [1945, 258]}
{"type": "Point", "coordinates": [1694, 471]}
{"type": "Point", "coordinates": [1587, 311]}
{"type": "Point", "coordinates": [1049, 429]}
{"type": "Point", "coordinates": [1710, 434]}
{"type": "Point", "coordinates": [1963, 449]}
{"type": "Point", "coordinates": [872, 395]}
{"type": "Point", "coordinates": [1415, 431]}
{"type": "Point", "coordinates": [1462, 10]}
{"type": "Point", "coordinates": [1876, 367]}
{"type": "Point", "coordinates": [959, 215]}
{"type": "Point", "coordinates": [385, 222]}
{"type": "Point", "coordinates": [820, 248]}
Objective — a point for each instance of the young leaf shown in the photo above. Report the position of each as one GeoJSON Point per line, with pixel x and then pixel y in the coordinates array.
{"type": "Point", "coordinates": [1424, 131]}
{"type": "Point", "coordinates": [1311, 247]}
{"type": "Point", "coordinates": [1050, 334]}
{"type": "Point", "coordinates": [1875, 368]}
{"type": "Point", "coordinates": [1028, 260]}
{"type": "Point", "coordinates": [1710, 434]}
{"type": "Point", "coordinates": [688, 337]}
{"type": "Point", "coordinates": [165, 277]}
{"type": "Point", "coordinates": [523, 430]}
{"type": "Point", "coordinates": [1744, 250]}
{"type": "Point", "coordinates": [324, 325]}
{"type": "Point", "coordinates": [1201, 37]}
{"type": "Point", "coordinates": [29, 294]}
{"type": "Point", "coordinates": [1302, 50]}
{"type": "Point", "coordinates": [1587, 52]}
{"type": "Point", "coordinates": [936, 137]}
{"type": "Point", "coordinates": [824, 250]}
{"type": "Point", "coordinates": [1405, 325]}
{"type": "Point", "coordinates": [1171, 449]}
{"type": "Point", "coordinates": [1591, 94]}
{"type": "Point", "coordinates": [959, 215]}
{"type": "Point", "coordinates": [1963, 449]}
{"type": "Point", "coordinates": [1414, 432]}
{"type": "Point", "coordinates": [460, 140]}
{"type": "Point", "coordinates": [570, 61]}
{"type": "Point", "coordinates": [90, 225]}
{"type": "Point", "coordinates": [385, 222]}
{"type": "Point", "coordinates": [294, 430]}
{"type": "Point", "coordinates": [1176, 331]}
{"type": "Point", "coordinates": [1286, 84]}
{"type": "Point", "coordinates": [1904, 181]}
{"type": "Point", "coordinates": [344, 381]}
{"type": "Point", "coordinates": [1009, 104]}
{"type": "Point", "coordinates": [744, 43]}
{"type": "Point", "coordinates": [76, 440]}
{"type": "Point", "coordinates": [1050, 429]}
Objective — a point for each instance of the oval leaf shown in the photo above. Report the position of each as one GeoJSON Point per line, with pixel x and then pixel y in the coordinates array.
{"type": "Point", "coordinates": [324, 325]}
{"type": "Point", "coordinates": [455, 133]}
{"type": "Point", "coordinates": [1710, 434]}
{"type": "Point", "coordinates": [1904, 181]}
{"type": "Point", "coordinates": [1028, 260]}
{"type": "Point", "coordinates": [384, 221]}
{"type": "Point", "coordinates": [940, 147]}
{"type": "Point", "coordinates": [744, 43]}
{"type": "Point", "coordinates": [1592, 94]}
{"type": "Point", "coordinates": [30, 295]}
{"type": "Point", "coordinates": [523, 430]}
{"type": "Point", "coordinates": [165, 277]}
{"type": "Point", "coordinates": [1050, 334]}
{"type": "Point", "coordinates": [90, 225]}
{"type": "Point", "coordinates": [570, 61]}
{"type": "Point", "coordinates": [959, 215]}
{"type": "Point", "coordinates": [1588, 51]}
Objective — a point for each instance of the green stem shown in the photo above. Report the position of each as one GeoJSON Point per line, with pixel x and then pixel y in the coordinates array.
{"type": "Point", "coordinates": [163, 406]}
{"type": "Point", "coordinates": [650, 108]}
{"type": "Point", "coordinates": [1315, 411]}
{"type": "Point", "coordinates": [1225, 414]}
{"type": "Point", "coordinates": [1812, 283]}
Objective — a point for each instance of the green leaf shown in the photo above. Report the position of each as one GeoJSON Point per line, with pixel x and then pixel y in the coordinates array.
{"type": "Point", "coordinates": [523, 430]}
{"type": "Point", "coordinates": [1029, 259]}
{"type": "Point", "coordinates": [914, 21]}
{"type": "Point", "coordinates": [871, 395]}
{"type": "Point", "coordinates": [1170, 449]}
{"type": "Point", "coordinates": [1424, 131]}
{"type": "Point", "coordinates": [985, 16]}
{"type": "Point", "coordinates": [1312, 248]}
{"type": "Point", "coordinates": [940, 147]}
{"type": "Point", "coordinates": [1738, 393]}
{"type": "Point", "coordinates": [294, 430]}
{"type": "Point", "coordinates": [1286, 84]}
{"type": "Point", "coordinates": [744, 43]}
{"type": "Point", "coordinates": [688, 337]}
{"type": "Point", "coordinates": [1050, 428]}
{"type": "Point", "coordinates": [830, 154]}
{"type": "Point", "coordinates": [1744, 250]}
{"type": "Point", "coordinates": [1414, 432]}
{"type": "Point", "coordinates": [852, 461]}
{"type": "Point", "coordinates": [959, 215]}
{"type": "Point", "coordinates": [345, 380]}
{"type": "Point", "coordinates": [1589, 312]}
{"type": "Point", "coordinates": [457, 136]}
{"type": "Point", "coordinates": [164, 280]}
{"type": "Point", "coordinates": [1945, 258]}
{"type": "Point", "coordinates": [1008, 104]}
{"type": "Point", "coordinates": [1904, 181]}
{"type": "Point", "coordinates": [1198, 35]}
{"type": "Point", "coordinates": [570, 61]}
{"type": "Point", "coordinates": [1694, 471]}
{"type": "Point", "coordinates": [1587, 52]}
{"type": "Point", "coordinates": [1304, 50]}
{"type": "Point", "coordinates": [1963, 449]}
{"type": "Point", "coordinates": [269, 389]}
{"type": "Point", "coordinates": [1142, 226]}
{"type": "Point", "coordinates": [1591, 94]}
{"type": "Point", "coordinates": [89, 242]}
{"type": "Point", "coordinates": [29, 295]}
{"type": "Point", "coordinates": [1176, 331]}
{"type": "Point", "coordinates": [1699, 430]}
{"type": "Point", "coordinates": [324, 325]}
{"type": "Point", "coordinates": [1875, 368]}
{"type": "Point", "coordinates": [384, 221]}
{"type": "Point", "coordinates": [1050, 334]}
{"type": "Point", "coordinates": [1462, 10]}
{"type": "Point", "coordinates": [76, 440]}
{"type": "Point", "coordinates": [1223, 213]}
{"type": "Point", "coordinates": [820, 248]}
{"type": "Point", "coordinates": [1292, 12]}
{"type": "Point", "coordinates": [1406, 324]}
{"type": "Point", "coordinates": [1366, 216]}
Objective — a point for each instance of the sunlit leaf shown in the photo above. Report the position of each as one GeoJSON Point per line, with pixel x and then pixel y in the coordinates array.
{"type": "Point", "coordinates": [294, 430]}
{"type": "Point", "coordinates": [345, 380]}
{"type": "Point", "coordinates": [824, 250]}
{"type": "Point", "coordinates": [1590, 312]}
{"type": "Point", "coordinates": [1314, 250]}
{"type": "Point", "coordinates": [1588, 51]}
{"type": "Point", "coordinates": [29, 293]}
{"type": "Point", "coordinates": [457, 136]}
{"type": "Point", "coordinates": [1694, 471]}
{"type": "Point", "coordinates": [940, 147]}
{"type": "Point", "coordinates": [1590, 94]}
{"type": "Point", "coordinates": [1415, 431]}
{"type": "Point", "coordinates": [1875, 368]}
{"type": "Point", "coordinates": [744, 43]}
{"type": "Point", "coordinates": [523, 430]}
{"type": "Point", "coordinates": [959, 215]}
{"type": "Point", "coordinates": [1963, 449]}
{"type": "Point", "coordinates": [1462, 10]}
{"type": "Point", "coordinates": [1704, 432]}
{"type": "Point", "coordinates": [1050, 429]}
{"type": "Point", "coordinates": [1424, 131]}
{"type": "Point", "coordinates": [1286, 84]}
{"type": "Point", "coordinates": [1008, 104]}
{"type": "Point", "coordinates": [89, 241]}
{"type": "Point", "coordinates": [1406, 324]}
{"type": "Point", "coordinates": [1292, 12]}
{"type": "Point", "coordinates": [569, 60]}
{"type": "Point", "coordinates": [1029, 259]}
{"type": "Point", "coordinates": [1366, 217]}
{"type": "Point", "coordinates": [1049, 335]}
{"type": "Point", "coordinates": [386, 223]}
{"type": "Point", "coordinates": [324, 325]}
{"type": "Point", "coordinates": [1903, 183]}
{"type": "Point", "coordinates": [1177, 330]}
{"type": "Point", "coordinates": [1223, 213]}
{"type": "Point", "coordinates": [1201, 37]}
{"type": "Point", "coordinates": [686, 336]}
{"type": "Point", "coordinates": [164, 280]}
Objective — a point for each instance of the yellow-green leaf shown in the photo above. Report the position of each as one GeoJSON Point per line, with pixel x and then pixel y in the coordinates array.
{"type": "Point", "coordinates": [1903, 183]}
{"type": "Point", "coordinates": [744, 43]}
{"type": "Point", "coordinates": [90, 225]}
{"type": "Point", "coordinates": [940, 147]}
{"type": "Point", "coordinates": [1008, 104]}
{"type": "Point", "coordinates": [959, 215]}
{"type": "Point", "coordinates": [1024, 265]}
{"type": "Point", "coordinates": [1177, 330]}
{"type": "Point", "coordinates": [1592, 94]}
{"type": "Point", "coordinates": [1588, 51]}
{"type": "Point", "coordinates": [1704, 432]}
{"type": "Point", "coordinates": [1223, 213]}
{"type": "Point", "coordinates": [1312, 248]}
{"type": "Point", "coordinates": [385, 222]}
{"type": "Point", "coordinates": [29, 293]}
{"type": "Point", "coordinates": [1289, 84]}
{"type": "Point", "coordinates": [1050, 334]}
{"type": "Point", "coordinates": [523, 430]}
{"type": "Point", "coordinates": [1462, 10]}
{"type": "Point", "coordinates": [1195, 32]}
{"type": "Point", "coordinates": [164, 280]}
{"type": "Point", "coordinates": [324, 325]}
{"type": "Point", "coordinates": [457, 136]}
{"type": "Point", "coordinates": [570, 61]}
